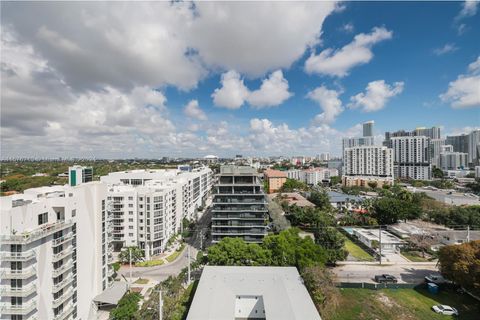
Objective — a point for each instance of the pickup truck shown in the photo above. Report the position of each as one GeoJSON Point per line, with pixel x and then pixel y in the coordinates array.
{"type": "Point", "coordinates": [385, 278]}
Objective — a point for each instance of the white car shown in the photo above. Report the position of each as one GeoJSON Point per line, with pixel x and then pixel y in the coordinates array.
{"type": "Point", "coordinates": [446, 310]}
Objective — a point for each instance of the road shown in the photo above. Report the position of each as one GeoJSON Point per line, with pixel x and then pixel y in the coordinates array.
{"type": "Point", "coordinates": [405, 273]}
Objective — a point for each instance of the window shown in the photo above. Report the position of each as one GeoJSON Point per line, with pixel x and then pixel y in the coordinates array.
{"type": "Point", "coordinates": [130, 219]}
{"type": "Point", "coordinates": [130, 234]}
{"type": "Point", "coordinates": [42, 218]}
{"type": "Point", "coordinates": [130, 198]}
{"type": "Point", "coordinates": [130, 227]}
{"type": "Point", "coordinates": [74, 213]}
{"type": "Point", "coordinates": [130, 212]}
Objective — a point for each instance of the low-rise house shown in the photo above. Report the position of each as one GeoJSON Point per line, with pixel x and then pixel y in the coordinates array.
{"type": "Point", "coordinates": [295, 198]}
{"type": "Point", "coordinates": [371, 238]}
{"type": "Point", "coordinates": [252, 293]}
{"type": "Point", "coordinates": [344, 201]}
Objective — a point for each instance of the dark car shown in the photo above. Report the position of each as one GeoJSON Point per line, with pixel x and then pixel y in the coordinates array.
{"type": "Point", "coordinates": [385, 278]}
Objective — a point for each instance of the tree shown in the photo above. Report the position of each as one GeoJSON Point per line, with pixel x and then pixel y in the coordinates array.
{"type": "Point", "coordinates": [373, 184]}
{"type": "Point", "coordinates": [320, 199]}
{"type": "Point", "coordinates": [292, 184]}
{"type": "Point", "coordinates": [335, 180]}
{"type": "Point", "coordinates": [461, 264]}
{"type": "Point", "coordinates": [236, 252]}
{"type": "Point", "coordinates": [423, 242]}
{"type": "Point", "coordinates": [389, 210]}
{"type": "Point", "coordinates": [437, 173]}
{"type": "Point", "coordinates": [333, 241]}
{"type": "Point", "coordinates": [126, 308]}
{"type": "Point", "coordinates": [137, 254]}
{"type": "Point", "coordinates": [325, 295]}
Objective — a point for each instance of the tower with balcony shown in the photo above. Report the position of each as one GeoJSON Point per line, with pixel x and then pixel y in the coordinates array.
{"type": "Point", "coordinates": [239, 207]}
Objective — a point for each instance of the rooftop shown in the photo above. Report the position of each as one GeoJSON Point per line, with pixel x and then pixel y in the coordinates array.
{"type": "Point", "coordinates": [272, 293]}
{"type": "Point", "coordinates": [270, 173]}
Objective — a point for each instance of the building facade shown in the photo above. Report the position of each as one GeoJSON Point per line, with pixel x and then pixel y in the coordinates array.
{"type": "Point", "coordinates": [411, 157]}
{"type": "Point", "coordinates": [148, 206]}
{"type": "Point", "coordinates": [78, 175]}
{"type": "Point", "coordinates": [239, 207]}
{"type": "Point", "coordinates": [55, 252]}
{"type": "Point", "coordinates": [367, 164]}
{"type": "Point", "coordinates": [275, 179]}
{"type": "Point", "coordinates": [453, 160]}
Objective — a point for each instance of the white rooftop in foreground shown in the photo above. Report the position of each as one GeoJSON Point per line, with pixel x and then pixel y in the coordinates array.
{"type": "Point", "coordinates": [240, 293]}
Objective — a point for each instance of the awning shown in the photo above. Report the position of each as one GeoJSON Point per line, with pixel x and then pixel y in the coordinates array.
{"type": "Point", "coordinates": [112, 295]}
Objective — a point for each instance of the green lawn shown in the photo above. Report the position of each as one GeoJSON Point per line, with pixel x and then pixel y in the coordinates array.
{"type": "Point", "coordinates": [149, 263]}
{"type": "Point", "coordinates": [357, 252]}
{"type": "Point", "coordinates": [401, 304]}
{"type": "Point", "coordinates": [413, 257]}
{"type": "Point", "coordinates": [174, 255]}
{"type": "Point", "coordinates": [141, 281]}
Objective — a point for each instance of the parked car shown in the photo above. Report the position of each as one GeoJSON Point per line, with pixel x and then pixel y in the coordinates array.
{"type": "Point", "coordinates": [385, 278]}
{"type": "Point", "coordinates": [435, 278]}
{"type": "Point", "coordinates": [445, 310]}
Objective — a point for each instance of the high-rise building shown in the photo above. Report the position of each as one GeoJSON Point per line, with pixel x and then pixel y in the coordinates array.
{"type": "Point", "coordinates": [467, 143]}
{"type": "Point", "coordinates": [411, 156]}
{"type": "Point", "coordinates": [78, 175]}
{"type": "Point", "coordinates": [148, 206]}
{"type": "Point", "coordinates": [368, 128]}
{"type": "Point", "coordinates": [435, 150]}
{"type": "Point", "coordinates": [239, 205]}
{"type": "Point", "coordinates": [453, 160]}
{"type": "Point", "coordinates": [432, 133]}
{"type": "Point", "coordinates": [367, 163]}
{"type": "Point", "coordinates": [55, 252]}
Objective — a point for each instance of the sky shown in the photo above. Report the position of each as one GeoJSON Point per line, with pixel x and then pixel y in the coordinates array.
{"type": "Point", "coordinates": [188, 79]}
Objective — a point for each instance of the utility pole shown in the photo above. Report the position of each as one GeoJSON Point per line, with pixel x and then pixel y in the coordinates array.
{"type": "Point", "coordinates": [130, 262]}
{"type": "Point", "coordinates": [201, 239]}
{"type": "Point", "coordinates": [160, 305]}
{"type": "Point", "coordinates": [468, 233]}
{"type": "Point", "coordinates": [188, 275]}
{"type": "Point", "coordinates": [380, 242]}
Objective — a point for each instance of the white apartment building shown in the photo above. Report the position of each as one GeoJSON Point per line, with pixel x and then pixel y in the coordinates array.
{"type": "Point", "coordinates": [312, 176]}
{"type": "Point", "coordinates": [411, 157]}
{"type": "Point", "coordinates": [453, 160]}
{"type": "Point", "coordinates": [436, 147]}
{"type": "Point", "coordinates": [148, 206]}
{"type": "Point", "coordinates": [54, 252]}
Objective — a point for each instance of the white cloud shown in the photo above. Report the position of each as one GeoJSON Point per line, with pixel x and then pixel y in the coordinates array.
{"type": "Point", "coordinates": [255, 38]}
{"type": "Point", "coordinates": [272, 92]}
{"type": "Point", "coordinates": [464, 92]}
{"type": "Point", "coordinates": [329, 102]}
{"type": "Point", "coordinates": [376, 95]}
{"type": "Point", "coordinates": [193, 110]}
{"type": "Point", "coordinates": [339, 62]}
{"type": "Point", "coordinates": [233, 92]}
{"type": "Point", "coordinates": [447, 48]}
{"type": "Point", "coordinates": [348, 27]}
{"type": "Point", "coordinates": [469, 9]}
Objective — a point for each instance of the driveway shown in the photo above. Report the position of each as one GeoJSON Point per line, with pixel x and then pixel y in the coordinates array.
{"type": "Point", "coordinates": [405, 273]}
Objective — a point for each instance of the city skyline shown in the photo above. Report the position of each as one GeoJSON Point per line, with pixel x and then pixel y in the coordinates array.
{"type": "Point", "coordinates": [119, 81]}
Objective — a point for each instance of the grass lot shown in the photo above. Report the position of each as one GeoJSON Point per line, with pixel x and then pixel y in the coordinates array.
{"type": "Point", "coordinates": [149, 263]}
{"type": "Point", "coordinates": [401, 304]}
{"type": "Point", "coordinates": [413, 257]}
{"type": "Point", "coordinates": [174, 255]}
{"type": "Point", "coordinates": [357, 252]}
{"type": "Point", "coordinates": [141, 281]}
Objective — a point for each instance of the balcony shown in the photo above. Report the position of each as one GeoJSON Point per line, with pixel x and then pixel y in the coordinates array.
{"type": "Point", "coordinates": [238, 209]}
{"type": "Point", "coordinates": [15, 309]}
{"type": "Point", "coordinates": [25, 291]}
{"type": "Point", "coordinates": [62, 269]}
{"type": "Point", "coordinates": [62, 239]}
{"type": "Point", "coordinates": [41, 232]}
{"type": "Point", "coordinates": [18, 274]}
{"type": "Point", "coordinates": [66, 281]}
{"type": "Point", "coordinates": [64, 297]}
{"type": "Point", "coordinates": [67, 310]}
{"type": "Point", "coordinates": [239, 232]}
{"type": "Point", "coordinates": [238, 216]}
{"type": "Point", "coordinates": [18, 256]}
{"type": "Point", "coordinates": [110, 272]}
{"type": "Point", "coordinates": [62, 254]}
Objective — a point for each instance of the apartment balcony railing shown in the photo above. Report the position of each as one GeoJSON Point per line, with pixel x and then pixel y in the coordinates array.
{"type": "Point", "coordinates": [18, 309]}
{"type": "Point", "coordinates": [62, 239]}
{"type": "Point", "coordinates": [18, 256]}
{"type": "Point", "coordinates": [62, 254]}
{"type": "Point", "coordinates": [24, 291]}
{"type": "Point", "coordinates": [18, 273]}
{"type": "Point", "coordinates": [67, 310]}
{"type": "Point", "coordinates": [238, 232]}
{"type": "Point", "coordinates": [67, 294]}
{"type": "Point", "coordinates": [238, 192]}
{"type": "Point", "coordinates": [244, 201]}
{"type": "Point", "coordinates": [110, 272]}
{"type": "Point", "coordinates": [41, 232]}
{"type": "Point", "coordinates": [63, 268]}
{"type": "Point", "coordinates": [238, 216]}
{"type": "Point", "coordinates": [66, 281]}
{"type": "Point", "coordinates": [246, 225]}
{"type": "Point", "coordinates": [239, 209]}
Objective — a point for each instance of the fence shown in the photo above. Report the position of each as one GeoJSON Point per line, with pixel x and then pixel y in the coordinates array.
{"type": "Point", "coordinates": [376, 286]}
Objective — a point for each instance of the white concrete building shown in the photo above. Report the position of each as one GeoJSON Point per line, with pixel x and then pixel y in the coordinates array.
{"type": "Point", "coordinates": [54, 252]}
{"type": "Point", "coordinates": [436, 147]}
{"type": "Point", "coordinates": [252, 293]}
{"type": "Point", "coordinates": [312, 176]}
{"type": "Point", "coordinates": [148, 206]}
{"type": "Point", "coordinates": [453, 160]}
{"type": "Point", "coordinates": [411, 156]}
{"type": "Point", "coordinates": [371, 238]}
{"type": "Point", "coordinates": [477, 172]}
{"type": "Point", "coordinates": [78, 175]}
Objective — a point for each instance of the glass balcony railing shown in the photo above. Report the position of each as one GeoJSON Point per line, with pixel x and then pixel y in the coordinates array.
{"type": "Point", "coordinates": [18, 274]}
{"type": "Point", "coordinates": [18, 309]}
{"type": "Point", "coordinates": [62, 239]}
{"type": "Point", "coordinates": [66, 281]}
{"type": "Point", "coordinates": [239, 232]}
{"type": "Point", "coordinates": [62, 254]}
{"type": "Point", "coordinates": [63, 268]}
{"type": "Point", "coordinates": [24, 291]}
{"type": "Point", "coordinates": [65, 312]}
{"type": "Point", "coordinates": [41, 232]}
{"type": "Point", "coordinates": [18, 256]}
{"type": "Point", "coordinates": [67, 294]}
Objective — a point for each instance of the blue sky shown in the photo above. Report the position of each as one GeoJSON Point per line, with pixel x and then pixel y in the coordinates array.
{"type": "Point", "coordinates": [147, 87]}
